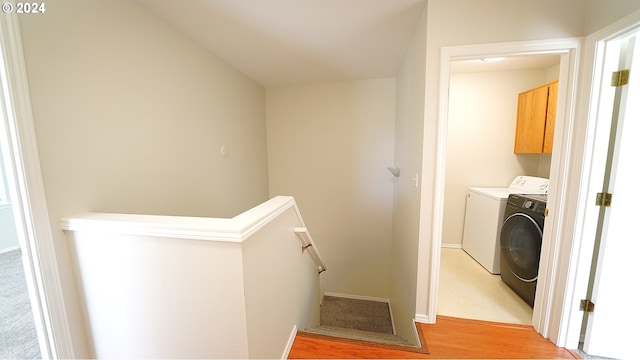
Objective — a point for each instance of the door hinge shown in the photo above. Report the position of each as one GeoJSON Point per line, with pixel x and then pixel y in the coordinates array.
{"type": "Point", "coordinates": [586, 305]}
{"type": "Point", "coordinates": [603, 199]}
{"type": "Point", "coordinates": [620, 78]}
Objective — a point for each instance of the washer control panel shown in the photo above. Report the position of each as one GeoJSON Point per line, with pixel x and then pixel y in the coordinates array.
{"type": "Point", "coordinates": [530, 185]}
{"type": "Point", "coordinates": [532, 202]}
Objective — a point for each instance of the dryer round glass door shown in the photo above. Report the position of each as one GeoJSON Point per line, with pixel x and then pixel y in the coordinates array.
{"type": "Point", "coordinates": [520, 242]}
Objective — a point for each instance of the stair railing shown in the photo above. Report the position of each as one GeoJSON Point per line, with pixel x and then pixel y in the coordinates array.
{"type": "Point", "coordinates": [308, 244]}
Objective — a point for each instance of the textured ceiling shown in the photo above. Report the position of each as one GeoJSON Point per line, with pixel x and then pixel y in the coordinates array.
{"type": "Point", "coordinates": [286, 42]}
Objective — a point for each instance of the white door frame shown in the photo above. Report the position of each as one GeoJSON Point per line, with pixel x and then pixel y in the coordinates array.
{"type": "Point", "coordinates": [583, 229]}
{"type": "Point", "coordinates": [28, 198]}
{"type": "Point", "coordinates": [555, 248]}
{"type": "Point", "coordinates": [568, 245]}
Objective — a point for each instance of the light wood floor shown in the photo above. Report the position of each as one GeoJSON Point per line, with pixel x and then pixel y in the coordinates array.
{"type": "Point", "coordinates": [449, 338]}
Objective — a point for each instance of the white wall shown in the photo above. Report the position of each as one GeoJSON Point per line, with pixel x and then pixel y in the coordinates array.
{"type": "Point", "coordinates": [406, 203]}
{"type": "Point", "coordinates": [329, 146]}
{"type": "Point", "coordinates": [130, 116]}
{"type": "Point", "coordinates": [465, 22]}
{"type": "Point", "coordinates": [480, 136]}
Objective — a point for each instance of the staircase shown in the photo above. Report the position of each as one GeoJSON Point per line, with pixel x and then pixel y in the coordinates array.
{"type": "Point", "coordinates": [357, 319]}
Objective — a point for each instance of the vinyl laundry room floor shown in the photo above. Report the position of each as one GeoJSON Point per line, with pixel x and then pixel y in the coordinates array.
{"type": "Point", "coordinates": [467, 290]}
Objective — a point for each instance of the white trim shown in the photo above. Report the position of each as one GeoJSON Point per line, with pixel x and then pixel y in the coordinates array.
{"type": "Point", "coordinates": [393, 323]}
{"type": "Point", "coordinates": [28, 198]}
{"type": "Point", "coordinates": [415, 333]}
{"type": "Point", "coordinates": [555, 252]}
{"type": "Point", "coordinates": [423, 319]}
{"type": "Point", "coordinates": [157, 226]}
{"type": "Point", "coordinates": [568, 48]}
{"type": "Point", "coordinates": [568, 317]}
{"type": "Point", "coordinates": [289, 345]}
{"type": "Point", "coordinates": [451, 246]}
{"type": "Point", "coordinates": [233, 230]}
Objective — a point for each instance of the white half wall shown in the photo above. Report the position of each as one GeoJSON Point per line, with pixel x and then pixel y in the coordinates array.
{"type": "Point", "coordinates": [329, 147]}
{"type": "Point", "coordinates": [195, 287]}
{"type": "Point", "coordinates": [140, 293]}
{"type": "Point", "coordinates": [281, 286]}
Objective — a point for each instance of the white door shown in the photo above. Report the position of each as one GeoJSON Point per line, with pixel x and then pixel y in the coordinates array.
{"type": "Point", "coordinates": [608, 330]}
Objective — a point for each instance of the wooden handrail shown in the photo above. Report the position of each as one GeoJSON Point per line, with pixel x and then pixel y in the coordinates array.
{"type": "Point", "coordinates": [307, 243]}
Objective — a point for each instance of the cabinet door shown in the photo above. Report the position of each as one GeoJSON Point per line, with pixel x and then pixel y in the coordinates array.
{"type": "Point", "coordinates": [551, 118]}
{"type": "Point", "coordinates": [530, 124]}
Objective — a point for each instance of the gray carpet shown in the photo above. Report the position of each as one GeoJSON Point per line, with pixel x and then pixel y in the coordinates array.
{"type": "Point", "coordinates": [357, 319]}
{"type": "Point", "coordinates": [18, 338]}
{"type": "Point", "coordinates": [356, 314]}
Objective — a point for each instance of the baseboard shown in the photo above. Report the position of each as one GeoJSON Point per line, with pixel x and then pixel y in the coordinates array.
{"type": "Point", "coordinates": [357, 297]}
{"type": "Point", "coordinates": [424, 319]}
{"type": "Point", "coordinates": [289, 345]}
{"type": "Point", "coordinates": [418, 334]}
{"type": "Point", "coordinates": [451, 246]}
{"type": "Point", "coordinates": [393, 323]}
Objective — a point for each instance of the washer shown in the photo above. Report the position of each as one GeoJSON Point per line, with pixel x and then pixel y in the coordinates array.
{"type": "Point", "coordinates": [520, 243]}
{"type": "Point", "coordinates": [484, 216]}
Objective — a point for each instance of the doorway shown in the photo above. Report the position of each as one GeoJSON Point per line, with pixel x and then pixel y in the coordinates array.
{"type": "Point", "coordinates": [26, 191]}
{"type": "Point", "coordinates": [611, 232]}
{"type": "Point", "coordinates": [18, 336]}
{"type": "Point", "coordinates": [483, 99]}
{"type": "Point", "coordinates": [567, 50]}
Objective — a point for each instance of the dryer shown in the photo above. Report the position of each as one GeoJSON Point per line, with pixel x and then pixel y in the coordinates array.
{"type": "Point", "coordinates": [484, 215]}
{"type": "Point", "coordinates": [521, 243]}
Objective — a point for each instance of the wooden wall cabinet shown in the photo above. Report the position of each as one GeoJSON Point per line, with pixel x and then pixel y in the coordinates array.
{"type": "Point", "coordinates": [536, 120]}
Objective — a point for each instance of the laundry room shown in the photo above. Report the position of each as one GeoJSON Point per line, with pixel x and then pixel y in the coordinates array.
{"type": "Point", "coordinates": [481, 132]}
